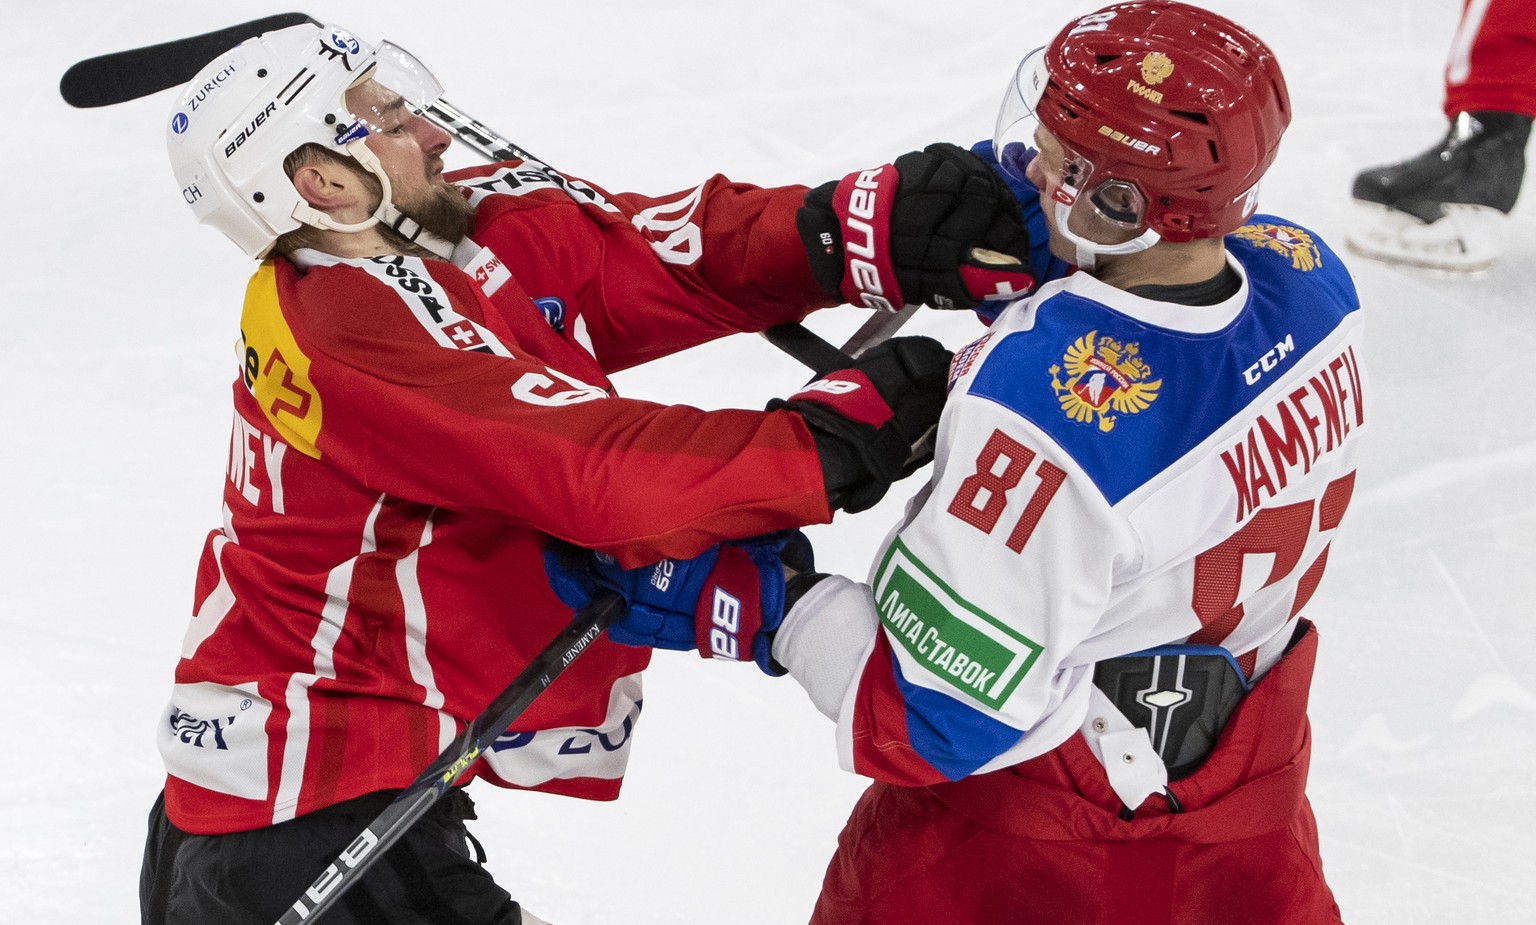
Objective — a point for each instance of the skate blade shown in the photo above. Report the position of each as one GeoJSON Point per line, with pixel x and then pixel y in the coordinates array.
{"type": "Point", "coordinates": [1465, 240]}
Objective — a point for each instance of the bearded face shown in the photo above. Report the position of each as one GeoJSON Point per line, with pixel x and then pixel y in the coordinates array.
{"type": "Point", "coordinates": [442, 210]}
{"type": "Point", "coordinates": [410, 149]}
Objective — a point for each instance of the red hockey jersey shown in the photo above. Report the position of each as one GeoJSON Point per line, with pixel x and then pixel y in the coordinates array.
{"type": "Point", "coordinates": [406, 435]}
{"type": "Point", "coordinates": [1492, 63]}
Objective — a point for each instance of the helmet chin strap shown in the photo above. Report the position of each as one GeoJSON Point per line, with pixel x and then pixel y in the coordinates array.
{"type": "Point", "coordinates": [1088, 252]}
{"type": "Point", "coordinates": [412, 231]}
{"type": "Point", "coordinates": [386, 213]}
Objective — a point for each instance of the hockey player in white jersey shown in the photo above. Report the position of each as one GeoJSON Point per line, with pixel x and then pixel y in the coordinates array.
{"type": "Point", "coordinates": [1078, 671]}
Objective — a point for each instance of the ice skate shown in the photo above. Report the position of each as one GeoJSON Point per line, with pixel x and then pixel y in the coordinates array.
{"type": "Point", "coordinates": [1445, 208]}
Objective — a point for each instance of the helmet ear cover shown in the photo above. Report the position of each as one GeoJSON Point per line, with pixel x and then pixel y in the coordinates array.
{"type": "Point", "coordinates": [1117, 203]}
{"type": "Point", "coordinates": [1120, 203]}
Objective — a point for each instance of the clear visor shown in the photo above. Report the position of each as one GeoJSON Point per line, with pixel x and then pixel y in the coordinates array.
{"type": "Point", "coordinates": [1013, 139]}
{"type": "Point", "coordinates": [393, 87]}
{"type": "Point", "coordinates": [1018, 139]}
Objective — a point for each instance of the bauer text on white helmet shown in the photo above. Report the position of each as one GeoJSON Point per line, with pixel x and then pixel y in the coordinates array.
{"type": "Point", "coordinates": [240, 117]}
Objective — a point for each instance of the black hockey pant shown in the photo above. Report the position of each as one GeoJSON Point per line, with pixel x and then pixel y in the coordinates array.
{"type": "Point", "coordinates": [251, 878]}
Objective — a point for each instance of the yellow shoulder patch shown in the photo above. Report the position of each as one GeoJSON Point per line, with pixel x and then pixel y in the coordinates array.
{"type": "Point", "coordinates": [276, 371]}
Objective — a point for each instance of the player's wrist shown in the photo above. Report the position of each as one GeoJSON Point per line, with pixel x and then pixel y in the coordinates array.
{"type": "Point", "coordinates": [821, 238]}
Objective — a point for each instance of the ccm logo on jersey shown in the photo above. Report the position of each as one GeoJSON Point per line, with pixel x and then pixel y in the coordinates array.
{"type": "Point", "coordinates": [725, 615]}
{"type": "Point", "coordinates": [1269, 360]}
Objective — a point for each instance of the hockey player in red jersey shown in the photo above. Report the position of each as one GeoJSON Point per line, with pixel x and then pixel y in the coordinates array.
{"type": "Point", "coordinates": [422, 400]}
{"type": "Point", "coordinates": [1078, 671]}
{"type": "Point", "coordinates": [1445, 208]}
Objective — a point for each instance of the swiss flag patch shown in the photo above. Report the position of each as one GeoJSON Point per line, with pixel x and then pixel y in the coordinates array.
{"type": "Point", "coordinates": [464, 335]}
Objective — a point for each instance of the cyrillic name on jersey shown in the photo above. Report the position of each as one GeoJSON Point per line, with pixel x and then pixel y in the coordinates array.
{"type": "Point", "coordinates": [952, 640]}
{"type": "Point", "coordinates": [1305, 425]}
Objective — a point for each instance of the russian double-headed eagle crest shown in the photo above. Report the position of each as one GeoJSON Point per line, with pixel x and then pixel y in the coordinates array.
{"type": "Point", "coordinates": [1156, 68]}
{"type": "Point", "coordinates": [1105, 378]}
{"type": "Point", "coordinates": [1292, 243]}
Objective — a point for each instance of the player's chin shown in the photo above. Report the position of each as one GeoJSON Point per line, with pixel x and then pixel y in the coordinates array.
{"type": "Point", "coordinates": [1061, 249]}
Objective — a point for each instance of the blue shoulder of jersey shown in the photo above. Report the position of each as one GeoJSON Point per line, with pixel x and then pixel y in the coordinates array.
{"type": "Point", "coordinates": [1126, 398]}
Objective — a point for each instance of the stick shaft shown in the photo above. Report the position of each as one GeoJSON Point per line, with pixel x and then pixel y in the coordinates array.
{"type": "Point", "coordinates": [451, 765]}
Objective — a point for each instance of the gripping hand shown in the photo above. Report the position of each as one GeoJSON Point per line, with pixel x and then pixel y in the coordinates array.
{"type": "Point", "coordinates": [726, 602]}
{"type": "Point", "coordinates": [868, 417]}
{"type": "Point", "coordinates": [937, 227]}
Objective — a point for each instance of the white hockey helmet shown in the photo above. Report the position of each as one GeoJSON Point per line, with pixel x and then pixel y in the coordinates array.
{"type": "Point", "coordinates": [244, 113]}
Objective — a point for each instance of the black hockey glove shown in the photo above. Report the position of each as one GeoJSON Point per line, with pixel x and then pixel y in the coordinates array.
{"type": "Point", "coordinates": [868, 417]}
{"type": "Point", "coordinates": [938, 227]}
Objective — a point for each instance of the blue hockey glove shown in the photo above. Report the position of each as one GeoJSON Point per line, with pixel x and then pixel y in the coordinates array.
{"type": "Point", "coordinates": [726, 602]}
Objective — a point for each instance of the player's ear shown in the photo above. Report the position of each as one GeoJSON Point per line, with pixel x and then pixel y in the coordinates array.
{"type": "Point", "coordinates": [328, 186]}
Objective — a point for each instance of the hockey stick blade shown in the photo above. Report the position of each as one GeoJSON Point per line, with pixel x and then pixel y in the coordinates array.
{"type": "Point", "coordinates": [455, 761]}
{"type": "Point", "coordinates": [821, 357]}
{"type": "Point", "coordinates": [106, 80]}
{"type": "Point", "coordinates": [813, 352]}
{"type": "Point", "coordinates": [806, 347]}
{"type": "Point", "coordinates": [876, 330]}
{"type": "Point", "coordinates": [120, 76]}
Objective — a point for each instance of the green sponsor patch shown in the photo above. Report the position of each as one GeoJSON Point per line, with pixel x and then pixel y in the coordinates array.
{"type": "Point", "coordinates": [971, 650]}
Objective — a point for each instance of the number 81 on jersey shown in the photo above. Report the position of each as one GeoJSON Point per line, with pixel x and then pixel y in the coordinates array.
{"type": "Point", "coordinates": [999, 468]}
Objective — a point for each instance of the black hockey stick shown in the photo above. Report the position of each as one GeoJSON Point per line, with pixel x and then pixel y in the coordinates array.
{"type": "Point", "coordinates": [120, 76]}
{"type": "Point", "coordinates": [455, 761]}
{"type": "Point", "coordinates": [127, 75]}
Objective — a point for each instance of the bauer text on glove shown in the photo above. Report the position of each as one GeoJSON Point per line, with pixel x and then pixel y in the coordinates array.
{"type": "Point", "coordinates": [937, 227]}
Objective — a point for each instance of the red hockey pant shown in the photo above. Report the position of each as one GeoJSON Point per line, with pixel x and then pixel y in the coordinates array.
{"type": "Point", "coordinates": [1043, 842]}
{"type": "Point", "coordinates": [1492, 64]}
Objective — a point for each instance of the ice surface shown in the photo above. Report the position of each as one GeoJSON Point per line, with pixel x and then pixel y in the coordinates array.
{"type": "Point", "coordinates": [116, 355]}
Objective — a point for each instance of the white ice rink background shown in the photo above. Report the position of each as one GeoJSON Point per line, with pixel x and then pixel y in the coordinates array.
{"type": "Point", "coordinates": [116, 332]}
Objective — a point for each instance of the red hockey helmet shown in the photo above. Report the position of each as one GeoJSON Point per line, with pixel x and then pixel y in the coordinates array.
{"type": "Point", "coordinates": [1182, 105]}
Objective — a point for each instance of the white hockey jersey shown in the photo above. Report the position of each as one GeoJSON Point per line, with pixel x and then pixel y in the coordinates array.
{"type": "Point", "coordinates": [1113, 473]}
